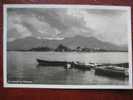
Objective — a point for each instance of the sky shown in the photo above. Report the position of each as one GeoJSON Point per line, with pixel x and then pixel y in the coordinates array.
{"type": "Point", "coordinates": [59, 23]}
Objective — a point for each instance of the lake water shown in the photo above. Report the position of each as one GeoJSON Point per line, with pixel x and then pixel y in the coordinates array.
{"type": "Point", "coordinates": [22, 67]}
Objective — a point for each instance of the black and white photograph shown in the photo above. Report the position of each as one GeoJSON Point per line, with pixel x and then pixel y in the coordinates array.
{"type": "Point", "coordinates": [67, 46]}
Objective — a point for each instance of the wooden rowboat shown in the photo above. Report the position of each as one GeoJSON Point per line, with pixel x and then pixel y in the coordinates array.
{"type": "Point", "coordinates": [65, 64]}
{"type": "Point", "coordinates": [113, 71]}
{"type": "Point", "coordinates": [51, 63]}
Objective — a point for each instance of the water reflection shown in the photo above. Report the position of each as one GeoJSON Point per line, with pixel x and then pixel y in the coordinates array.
{"type": "Point", "coordinates": [23, 67]}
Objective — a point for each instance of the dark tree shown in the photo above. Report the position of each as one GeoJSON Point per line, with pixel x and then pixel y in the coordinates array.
{"type": "Point", "coordinates": [62, 48]}
{"type": "Point", "coordinates": [40, 49]}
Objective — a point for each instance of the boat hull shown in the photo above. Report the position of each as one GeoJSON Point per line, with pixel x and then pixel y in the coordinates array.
{"type": "Point", "coordinates": [63, 64]}
{"type": "Point", "coordinates": [111, 73]}
{"type": "Point", "coordinates": [51, 63]}
{"type": "Point", "coordinates": [81, 67]}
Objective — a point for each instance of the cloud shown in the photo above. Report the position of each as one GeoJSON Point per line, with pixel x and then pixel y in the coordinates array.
{"type": "Point", "coordinates": [62, 21]}
{"type": "Point", "coordinates": [49, 22]}
{"type": "Point", "coordinates": [106, 25]}
{"type": "Point", "coordinates": [16, 29]}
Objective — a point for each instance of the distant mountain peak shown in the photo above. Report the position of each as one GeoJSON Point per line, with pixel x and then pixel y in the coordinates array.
{"type": "Point", "coordinates": [70, 42]}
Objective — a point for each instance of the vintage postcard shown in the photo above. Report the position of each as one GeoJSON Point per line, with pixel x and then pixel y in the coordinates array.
{"type": "Point", "coordinates": [67, 46]}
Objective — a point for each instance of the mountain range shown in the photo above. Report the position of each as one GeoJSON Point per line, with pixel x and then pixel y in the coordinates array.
{"type": "Point", "coordinates": [71, 42]}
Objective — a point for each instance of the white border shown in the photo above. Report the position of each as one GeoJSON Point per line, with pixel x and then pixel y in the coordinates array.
{"type": "Point", "coordinates": [126, 8]}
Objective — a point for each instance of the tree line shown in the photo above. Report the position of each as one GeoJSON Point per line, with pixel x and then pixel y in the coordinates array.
{"type": "Point", "coordinates": [62, 48]}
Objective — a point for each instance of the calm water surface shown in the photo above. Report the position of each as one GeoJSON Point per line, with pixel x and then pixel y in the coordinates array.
{"type": "Point", "coordinates": [23, 67]}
